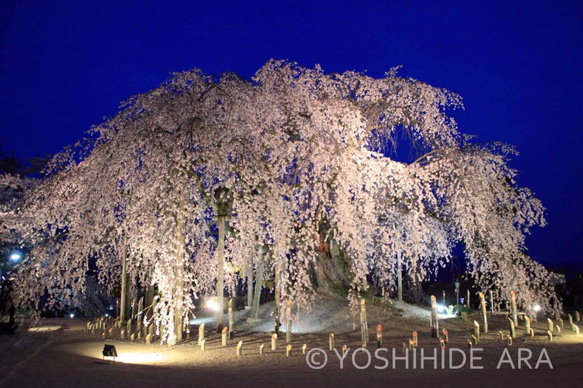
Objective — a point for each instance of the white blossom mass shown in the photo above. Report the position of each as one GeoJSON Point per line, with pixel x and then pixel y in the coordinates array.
{"type": "Point", "coordinates": [298, 158]}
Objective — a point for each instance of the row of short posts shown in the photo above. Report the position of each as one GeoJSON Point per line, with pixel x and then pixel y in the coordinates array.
{"type": "Point", "coordinates": [552, 328]}
{"type": "Point", "coordinates": [239, 347]}
{"type": "Point", "coordinates": [288, 348]}
{"type": "Point", "coordinates": [229, 334]}
{"type": "Point", "coordinates": [413, 341]}
{"type": "Point", "coordinates": [149, 330]}
{"type": "Point", "coordinates": [512, 321]}
{"type": "Point", "coordinates": [130, 330]}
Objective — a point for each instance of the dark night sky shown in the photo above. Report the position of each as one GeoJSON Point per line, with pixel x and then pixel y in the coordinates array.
{"type": "Point", "coordinates": [64, 65]}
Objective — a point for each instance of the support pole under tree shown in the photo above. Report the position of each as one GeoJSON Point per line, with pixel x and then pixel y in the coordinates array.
{"type": "Point", "coordinates": [492, 301]}
{"type": "Point", "coordinates": [434, 322]}
{"type": "Point", "coordinates": [223, 201]}
{"type": "Point", "coordinates": [150, 298]}
{"type": "Point", "coordinates": [399, 279]}
{"type": "Point", "coordinates": [220, 272]}
{"type": "Point", "coordinates": [277, 294]}
{"type": "Point", "coordinates": [124, 305]}
{"type": "Point", "coordinates": [513, 308]}
{"type": "Point", "coordinates": [257, 293]}
{"type": "Point", "coordinates": [231, 319]}
{"type": "Point", "coordinates": [484, 313]}
{"type": "Point", "coordinates": [140, 309]}
{"type": "Point", "coordinates": [134, 304]}
{"type": "Point", "coordinates": [457, 297]}
{"type": "Point", "coordinates": [363, 322]}
{"type": "Point", "coordinates": [288, 321]}
{"type": "Point", "coordinates": [179, 272]}
{"type": "Point", "coordinates": [249, 286]}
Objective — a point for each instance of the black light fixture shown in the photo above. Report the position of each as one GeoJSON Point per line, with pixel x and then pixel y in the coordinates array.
{"type": "Point", "coordinates": [109, 351]}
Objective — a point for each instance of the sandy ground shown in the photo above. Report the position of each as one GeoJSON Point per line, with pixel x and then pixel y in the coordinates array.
{"type": "Point", "coordinates": [60, 353]}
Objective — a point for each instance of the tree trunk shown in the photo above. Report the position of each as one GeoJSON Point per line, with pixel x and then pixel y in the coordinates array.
{"type": "Point", "coordinates": [333, 267]}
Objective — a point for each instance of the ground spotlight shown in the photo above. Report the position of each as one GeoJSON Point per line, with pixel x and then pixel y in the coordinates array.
{"type": "Point", "coordinates": [109, 351]}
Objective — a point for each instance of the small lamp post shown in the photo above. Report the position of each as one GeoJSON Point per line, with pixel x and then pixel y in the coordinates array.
{"type": "Point", "coordinates": [457, 296]}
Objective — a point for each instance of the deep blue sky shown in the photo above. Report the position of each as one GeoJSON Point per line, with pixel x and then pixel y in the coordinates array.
{"type": "Point", "coordinates": [64, 65]}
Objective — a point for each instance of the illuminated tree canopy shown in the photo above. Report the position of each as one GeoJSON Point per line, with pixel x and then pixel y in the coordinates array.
{"type": "Point", "coordinates": [293, 148]}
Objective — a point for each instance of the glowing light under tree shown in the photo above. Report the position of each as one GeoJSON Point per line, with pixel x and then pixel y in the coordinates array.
{"type": "Point", "coordinates": [212, 305]}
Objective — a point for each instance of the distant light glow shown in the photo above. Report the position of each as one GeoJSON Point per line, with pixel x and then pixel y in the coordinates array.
{"type": "Point", "coordinates": [72, 315]}
{"type": "Point", "coordinates": [212, 305]}
{"type": "Point", "coordinates": [15, 256]}
{"type": "Point", "coordinates": [536, 308]}
{"type": "Point", "coordinates": [445, 312]}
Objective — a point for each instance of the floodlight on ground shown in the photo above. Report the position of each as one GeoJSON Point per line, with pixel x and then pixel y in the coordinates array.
{"type": "Point", "coordinates": [109, 351]}
{"type": "Point", "coordinates": [15, 256]}
{"type": "Point", "coordinates": [536, 308]}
